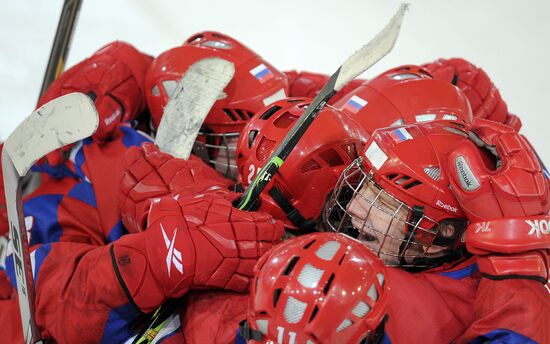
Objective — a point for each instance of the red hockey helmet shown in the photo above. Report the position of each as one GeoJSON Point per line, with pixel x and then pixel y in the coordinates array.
{"type": "Point", "coordinates": [317, 288]}
{"type": "Point", "coordinates": [297, 193]}
{"type": "Point", "coordinates": [404, 95]}
{"type": "Point", "coordinates": [256, 83]}
{"type": "Point", "coordinates": [396, 197]}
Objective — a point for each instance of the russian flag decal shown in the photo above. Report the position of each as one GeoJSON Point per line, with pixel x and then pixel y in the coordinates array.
{"type": "Point", "coordinates": [262, 73]}
{"type": "Point", "coordinates": [400, 134]}
{"type": "Point", "coordinates": [354, 104]}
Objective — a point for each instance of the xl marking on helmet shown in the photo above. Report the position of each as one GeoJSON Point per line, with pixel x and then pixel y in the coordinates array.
{"type": "Point", "coordinates": [483, 227]}
{"type": "Point", "coordinates": [538, 227]}
{"type": "Point", "coordinates": [465, 175]}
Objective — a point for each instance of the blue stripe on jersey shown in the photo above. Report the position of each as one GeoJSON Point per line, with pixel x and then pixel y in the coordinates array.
{"type": "Point", "coordinates": [239, 339]}
{"type": "Point", "coordinates": [461, 273]}
{"type": "Point", "coordinates": [56, 172]}
{"type": "Point", "coordinates": [117, 327]}
{"type": "Point", "coordinates": [10, 271]}
{"type": "Point", "coordinates": [502, 336]}
{"type": "Point", "coordinates": [84, 192]}
{"type": "Point", "coordinates": [385, 339]}
{"type": "Point", "coordinates": [44, 210]}
{"type": "Point", "coordinates": [39, 256]}
{"type": "Point", "coordinates": [116, 232]}
{"type": "Point", "coordinates": [133, 137]}
{"type": "Point", "coordinates": [79, 158]}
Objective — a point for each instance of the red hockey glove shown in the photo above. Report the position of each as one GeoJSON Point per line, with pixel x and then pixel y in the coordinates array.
{"type": "Point", "coordinates": [199, 242]}
{"type": "Point", "coordinates": [150, 173]}
{"type": "Point", "coordinates": [483, 95]}
{"type": "Point", "coordinates": [502, 191]}
{"type": "Point", "coordinates": [306, 84]}
{"type": "Point", "coordinates": [113, 78]}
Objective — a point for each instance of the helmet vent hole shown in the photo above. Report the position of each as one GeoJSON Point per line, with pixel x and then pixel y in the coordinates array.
{"type": "Point", "coordinates": [402, 180]}
{"type": "Point", "coordinates": [328, 250]}
{"type": "Point", "coordinates": [361, 309]}
{"type": "Point", "coordinates": [285, 120]}
{"type": "Point", "coordinates": [341, 259]}
{"type": "Point", "coordinates": [433, 172]}
{"type": "Point", "coordinates": [391, 176]}
{"type": "Point", "coordinates": [425, 117]}
{"type": "Point", "coordinates": [310, 276]}
{"type": "Point", "coordinates": [372, 293]}
{"type": "Point", "coordinates": [310, 165]}
{"type": "Point", "coordinates": [251, 136]}
{"type": "Point", "coordinates": [277, 184]}
{"type": "Point", "coordinates": [276, 295]}
{"type": "Point", "coordinates": [329, 284]}
{"type": "Point", "coordinates": [242, 114]}
{"type": "Point", "coordinates": [230, 114]}
{"type": "Point", "coordinates": [266, 115]}
{"type": "Point", "coordinates": [450, 117]}
{"type": "Point", "coordinates": [309, 244]}
{"type": "Point", "coordinates": [411, 185]}
{"type": "Point", "coordinates": [332, 158]}
{"type": "Point", "coordinates": [195, 38]}
{"type": "Point", "coordinates": [294, 310]}
{"type": "Point", "coordinates": [265, 148]}
{"type": "Point", "coordinates": [217, 35]}
{"type": "Point", "coordinates": [380, 278]}
{"type": "Point", "coordinates": [313, 314]}
{"type": "Point", "coordinates": [344, 325]}
{"type": "Point", "coordinates": [291, 266]}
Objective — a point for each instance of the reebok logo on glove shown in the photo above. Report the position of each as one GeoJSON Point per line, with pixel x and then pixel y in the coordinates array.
{"type": "Point", "coordinates": [538, 227]}
{"type": "Point", "coordinates": [465, 175]}
{"type": "Point", "coordinates": [173, 256]}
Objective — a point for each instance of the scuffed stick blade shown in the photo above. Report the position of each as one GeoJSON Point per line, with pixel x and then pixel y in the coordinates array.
{"type": "Point", "coordinates": [60, 122]}
{"type": "Point", "coordinates": [373, 51]}
{"type": "Point", "coordinates": [194, 96]}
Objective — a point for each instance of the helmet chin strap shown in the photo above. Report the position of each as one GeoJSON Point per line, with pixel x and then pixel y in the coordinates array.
{"type": "Point", "coordinates": [415, 216]}
{"type": "Point", "coordinates": [292, 214]}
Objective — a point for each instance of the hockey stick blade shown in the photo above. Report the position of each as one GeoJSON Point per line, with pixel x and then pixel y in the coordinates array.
{"type": "Point", "coordinates": [194, 96]}
{"type": "Point", "coordinates": [62, 121]}
{"type": "Point", "coordinates": [354, 65]}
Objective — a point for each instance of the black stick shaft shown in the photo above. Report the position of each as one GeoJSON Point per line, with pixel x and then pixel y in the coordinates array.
{"type": "Point", "coordinates": [61, 42]}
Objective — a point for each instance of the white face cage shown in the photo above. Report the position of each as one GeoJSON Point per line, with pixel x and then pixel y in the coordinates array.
{"type": "Point", "coordinates": [399, 234]}
{"type": "Point", "coordinates": [219, 150]}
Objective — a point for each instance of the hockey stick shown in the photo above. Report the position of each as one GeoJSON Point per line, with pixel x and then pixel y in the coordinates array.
{"type": "Point", "coordinates": [356, 64]}
{"type": "Point", "coordinates": [195, 94]}
{"type": "Point", "coordinates": [60, 122]}
{"type": "Point", "coordinates": [61, 42]}
{"type": "Point", "coordinates": [197, 91]}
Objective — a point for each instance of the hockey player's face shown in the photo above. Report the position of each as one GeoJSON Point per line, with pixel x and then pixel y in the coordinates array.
{"type": "Point", "coordinates": [381, 222]}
